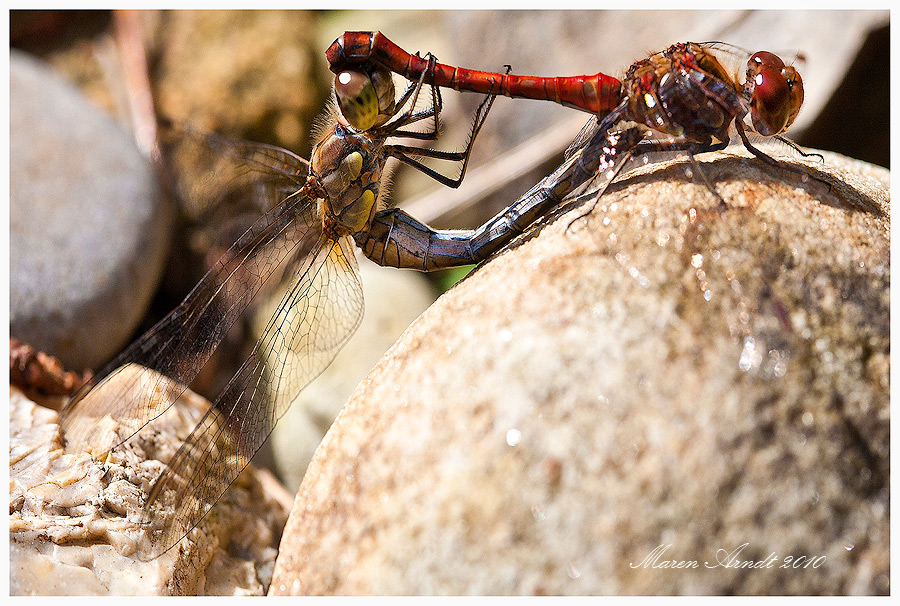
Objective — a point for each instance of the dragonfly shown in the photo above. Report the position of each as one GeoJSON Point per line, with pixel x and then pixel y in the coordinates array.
{"type": "Point", "coordinates": [314, 211]}
{"type": "Point", "coordinates": [683, 94]}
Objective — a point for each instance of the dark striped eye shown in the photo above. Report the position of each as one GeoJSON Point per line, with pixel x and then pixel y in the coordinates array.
{"type": "Point", "coordinates": [357, 99]}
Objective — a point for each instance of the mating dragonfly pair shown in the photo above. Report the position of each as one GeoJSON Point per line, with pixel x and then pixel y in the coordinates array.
{"type": "Point", "coordinates": [683, 97]}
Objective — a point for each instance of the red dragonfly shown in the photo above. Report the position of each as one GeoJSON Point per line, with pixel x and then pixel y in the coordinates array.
{"type": "Point", "coordinates": [684, 93]}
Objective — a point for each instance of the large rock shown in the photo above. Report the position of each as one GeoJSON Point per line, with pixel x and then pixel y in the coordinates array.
{"type": "Point", "coordinates": [656, 382]}
{"type": "Point", "coordinates": [74, 521]}
{"type": "Point", "coordinates": [88, 226]}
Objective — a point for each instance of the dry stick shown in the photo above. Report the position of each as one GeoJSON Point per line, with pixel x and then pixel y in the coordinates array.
{"type": "Point", "coordinates": [133, 57]}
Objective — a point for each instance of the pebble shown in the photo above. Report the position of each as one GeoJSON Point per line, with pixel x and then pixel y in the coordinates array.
{"type": "Point", "coordinates": [88, 224]}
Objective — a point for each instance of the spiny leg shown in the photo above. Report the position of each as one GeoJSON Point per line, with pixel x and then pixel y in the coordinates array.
{"type": "Point", "coordinates": [411, 95]}
{"type": "Point", "coordinates": [775, 163]}
{"type": "Point", "coordinates": [404, 152]}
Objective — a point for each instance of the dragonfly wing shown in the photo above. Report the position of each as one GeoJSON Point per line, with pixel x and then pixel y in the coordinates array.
{"type": "Point", "coordinates": [181, 343]}
{"type": "Point", "coordinates": [601, 159]}
{"type": "Point", "coordinates": [586, 133]}
{"type": "Point", "coordinates": [227, 177]}
{"type": "Point", "coordinates": [316, 316]}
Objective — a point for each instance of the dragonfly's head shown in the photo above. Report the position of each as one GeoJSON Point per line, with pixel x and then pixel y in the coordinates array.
{"type": "Point", "coordinates": [775, 92]}
{"type": "Point", "coordinates": [366, 97]}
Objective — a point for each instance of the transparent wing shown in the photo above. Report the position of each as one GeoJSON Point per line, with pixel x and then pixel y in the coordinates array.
{"type": "Point", "coordinates": [600, 160]}
{"type": "Point", "coordinates": [584, 135]}
{"type": "Point", "coordinates": [316, 316]}
{"type": "Point", "coordinates": [182, 342]}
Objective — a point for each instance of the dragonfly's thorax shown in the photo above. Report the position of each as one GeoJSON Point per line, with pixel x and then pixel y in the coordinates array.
{"type": "Point", "coordinates": [349, 165]}
{"type": "Point", "coordinates": [683, 92]}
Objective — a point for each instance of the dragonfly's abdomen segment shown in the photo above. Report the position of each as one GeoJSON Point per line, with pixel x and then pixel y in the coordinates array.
{"type": "Point", "coordinates": [396, 239]}
{"type": "Point", "coordinates": [597, 93]}
{"type": "Point", "coordinates": [349, 168]}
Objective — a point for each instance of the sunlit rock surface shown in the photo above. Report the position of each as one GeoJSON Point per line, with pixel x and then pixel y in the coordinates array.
{"type": "Point", "coordinates": [658, 382]}
{"type": "Point", "coordinates": [74, 520]}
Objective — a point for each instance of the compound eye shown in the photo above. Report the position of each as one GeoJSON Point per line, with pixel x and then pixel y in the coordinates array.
{"type": "Point", "coordinates": [357, 99]}
{"type": "Point", "coordinates": [795, 83]}
{"type": "Point", "coordinates": [768, 59]}
{"type": "Point", "coordinates": [777, 93]}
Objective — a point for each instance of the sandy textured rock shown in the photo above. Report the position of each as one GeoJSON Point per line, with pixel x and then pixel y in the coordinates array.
{"type": "Point", "coordinates": [660, 376]}
{"type": "Point", "coordinates": [73, 520]}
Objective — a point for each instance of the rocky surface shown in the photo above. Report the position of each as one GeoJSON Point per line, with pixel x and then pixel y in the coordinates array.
{"type": "Point", "coordinates": [88, 226]}
{"type": "Point", "coordinates": [656, 382]}
{"type": "Point", "coordinates": [74, 520]}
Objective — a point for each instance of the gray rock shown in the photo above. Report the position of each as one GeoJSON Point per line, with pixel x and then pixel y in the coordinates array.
{"type": "Point", "coordinates": [656, 379]}
{"type": "Point", "coordinates": [88, 226]}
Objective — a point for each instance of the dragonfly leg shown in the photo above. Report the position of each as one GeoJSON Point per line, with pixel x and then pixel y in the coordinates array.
{"type": "Point", "coordinates": [404, 152]}
{"type": "Point", "coordinates": [797, 149]}
{"type": "Point", "coordinates": [410, 116]}
{"type": "Point", "coordinates": [775, 163]}
{"type": "Point", "coordinates": [709, 185]}
{"type": "Point", "coordinates": [692, 148]}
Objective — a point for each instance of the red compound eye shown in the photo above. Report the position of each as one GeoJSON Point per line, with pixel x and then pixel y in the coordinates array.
{"type": "Point", "coordinates": [777, 93]}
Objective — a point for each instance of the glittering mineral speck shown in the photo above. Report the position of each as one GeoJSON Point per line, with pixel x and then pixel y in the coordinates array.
{"type": "Point", "coordinates": [537, 511]}
{"type": "Point", "coordinates": [572, 571]}
{"type": "Point", "coordinates": [778, 363]}
{"type": "Point", "coordinates": [513, 437]}
{"type": "Point", "coordinates": [750, 356]}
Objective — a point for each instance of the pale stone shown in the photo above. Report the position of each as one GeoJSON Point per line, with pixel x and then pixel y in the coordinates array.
{"type": "Point", "coordinates": [74, 521]}
{"type": "Point", "coordinates": [657, 373]}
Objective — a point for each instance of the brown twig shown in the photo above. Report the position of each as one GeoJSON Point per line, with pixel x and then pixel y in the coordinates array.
{"type": "Point", "coordinates": [133, 58]}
